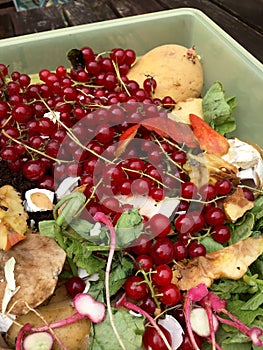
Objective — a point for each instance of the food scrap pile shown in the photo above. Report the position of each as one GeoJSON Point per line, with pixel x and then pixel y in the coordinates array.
{"type": "Point", "coordinates": [126, 208]}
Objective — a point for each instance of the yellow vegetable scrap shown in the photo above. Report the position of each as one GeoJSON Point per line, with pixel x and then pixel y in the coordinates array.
{"type": "Point", "coordinates": [231, 262]}
{"type": "Point", "coordinates": [13, 217]}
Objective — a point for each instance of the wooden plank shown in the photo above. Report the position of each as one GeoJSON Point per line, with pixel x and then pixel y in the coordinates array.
{"type": "Point", "coordinates": [82, 12]}
{"type": "Point", "coordinates": [245, 35]}
{"type": "Point", "coordinates": [6, 26]}
{"type": "Point", "coordinates": [125, 8]}
{"type": "Point", "coordinates": [38, 20]}
{"type": "Point", "coordinates": [6, 3]}
{"type": "Point", "coordinates": [250, 12]}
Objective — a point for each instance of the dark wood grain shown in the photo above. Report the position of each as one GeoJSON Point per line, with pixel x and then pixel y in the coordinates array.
{"type": "Point", "coordinates": [83, 11]}
{"type": "Point", "coordinates": [127, 8]}
{"type": "Point", "coordinates": [251, 12]}
{"type": "Point", "coordinates": [251, 39]}
{"type": "Point", "coordinates": [6, 26]}
{"type": "Point", "coordinates": [37, 20]}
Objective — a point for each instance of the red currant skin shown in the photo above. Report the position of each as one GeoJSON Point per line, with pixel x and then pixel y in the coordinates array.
{"type": "Point", "coordinates": [143, 244]}
{"type": "Point", "coordinates": [221, 234]}
{"type": "Point", "coordinates": [153, 341]}
{"type": "Point", "coordinates": [74, 286]}
{"type": "Point", "coordinates": [248, 194]}
{"type": "Point", "coordinates": [148, 304]}
{"type": "Point", "coordinates": [162, 251]}
{"type": "Point", "coordinates": [34, 170]}
{"type": "Point", "coordinates": [170, 294]}
{"type": "Point", "coordinates": [188, 190]}
{"type": "Point", "coordinates": [215, 216]}
{"type": "Point", "coordinates": [187, 344]}
{"type": "Point", "coordinates": [223, 187]}
{"type": "Point", "coordinates": [144, 262]}
{"type": "Point", "coordinates": [162, 275]}
{"type": "Point", "coordinates": [196, 249]}
{"type": "Point", "coordinates": [180, 251]}
{"type": "Point", "coordinates": [135, 288]}
{"type": "Point", "coordinates": [159, 225]}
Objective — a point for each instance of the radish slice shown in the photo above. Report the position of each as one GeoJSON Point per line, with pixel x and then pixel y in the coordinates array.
{"type": "Point", "coordinates": [89, 307]}
{"type": "Point", "coordinates": [38, 341]}
{"type": "Point", "coordinates": [200, 322]}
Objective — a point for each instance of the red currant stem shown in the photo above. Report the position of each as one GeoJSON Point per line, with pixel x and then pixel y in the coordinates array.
{"type": "Point", "coordinates": [119, 78]}
{"type": "Point", "coordinates": [72, 136]}
{"type": "Point", "coordinates": [252, 189]}
{"type": "Point", "coordinates": [167, 156]}
{"type": "Point", "coordinates": [151, 82]}
{"type": "Point", "coordinates": [101, 54]}
{"type": "Point", "coordinates": [173, 144]}
{"type": "Point", "coordinates": [7, 121]}
{"type": "Point", "coordinates": [33, 149]}
{"type": "Point", "coordinates": [101, 217]}
{"type": "Point", "coordinates": [123, 302]}
{"type": "Point", "coordinates": [148, 281]}
{"type": "Point", "coordinates": [144, 174]}
{"type": "Point", "coordinates": [94, 189]}
{"type": "Point", "coordinates": [199, 200]}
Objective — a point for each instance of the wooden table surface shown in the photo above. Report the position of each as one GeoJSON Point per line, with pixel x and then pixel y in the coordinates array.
{"type": "Point", "coordinates": [242, 19]}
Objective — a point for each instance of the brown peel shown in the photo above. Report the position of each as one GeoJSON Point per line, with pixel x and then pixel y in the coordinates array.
{"type": "Point", "coordinates": [39, 261]}
{"type": "Point", "coordinates": [231, 262]}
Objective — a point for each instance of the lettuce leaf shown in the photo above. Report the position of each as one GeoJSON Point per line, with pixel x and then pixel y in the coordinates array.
{"type": "Point", "coordinates": [129, 327]}
{"type": "Point", "coordinates": [218, 109]}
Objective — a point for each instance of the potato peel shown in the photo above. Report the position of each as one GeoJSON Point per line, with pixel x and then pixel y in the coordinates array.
{"type": "Point", "coordinates": [231, 262]}
{"type": "Point", "coordinates": [39, 261]}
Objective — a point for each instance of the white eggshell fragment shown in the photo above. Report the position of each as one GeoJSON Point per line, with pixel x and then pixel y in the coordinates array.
{"type": "Point", "coordinates": [174, 328]}
{"type": "Point", "coordinates": [38, 199]}
{"type": "Point", "coordinates": [67, 186]}
{"type": "Point", "coordinates": [149, 207]}
{"type": "Point", "coordinates": [247, 159]}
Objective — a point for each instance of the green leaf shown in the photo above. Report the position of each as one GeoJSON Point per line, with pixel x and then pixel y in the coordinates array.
{"type": "Point", "coordinates": [243, 228]}
{"type": "Point", "coordinates": [128, 227]}
{"type": "Point", "coordinates": [218, 110]}
{"type": "Point", "coordinates": [254, 302]}
{"type": "Point", "coordinates": [46, 228]}
{"type": "Point", "coordinates": [130, 329]}
{"type": "Point", "coordinates": [245, 316]}
{"type": "Point", "coordinates": [211, 245]}
{"type": "Point", "coordinates": [81, 253]}
{"type": "Point", "coordinates": [121, 269]}
{"type": "Point", "coordinates": [96, 290]}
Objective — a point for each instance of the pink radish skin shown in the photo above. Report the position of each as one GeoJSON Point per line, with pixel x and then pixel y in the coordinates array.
{"type": "Point", "coordinates": [123, 302]}
{"type": "Point", "coordinates": [86, 306]}
{"type": "Point", "coordinates": [101, 217]}
{"type": "Point", "coordinates": [19, 340]}
{"type": "Point", "coordinates": [38, 341]}
{"type": "Point", "coordinates": [212, 303]}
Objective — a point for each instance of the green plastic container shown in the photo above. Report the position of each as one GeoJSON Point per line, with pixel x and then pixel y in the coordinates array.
{"type": "Point", "coordinates": [223, 58]}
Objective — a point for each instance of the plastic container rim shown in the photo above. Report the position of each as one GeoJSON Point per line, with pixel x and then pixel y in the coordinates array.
{"type": "Point", "coordinates": [198, 14]}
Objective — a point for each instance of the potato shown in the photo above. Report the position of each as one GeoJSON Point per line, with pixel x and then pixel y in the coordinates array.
{"type": "Point", "coordinates": [176, 74]}
{"type": "Point", "coordinates": [74, 336]}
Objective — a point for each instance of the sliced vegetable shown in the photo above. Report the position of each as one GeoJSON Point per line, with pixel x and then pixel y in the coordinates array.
{"type": "Point", "coordinates": [209, 139]}
{"type": "Point", "coordinates": [38, 341]}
